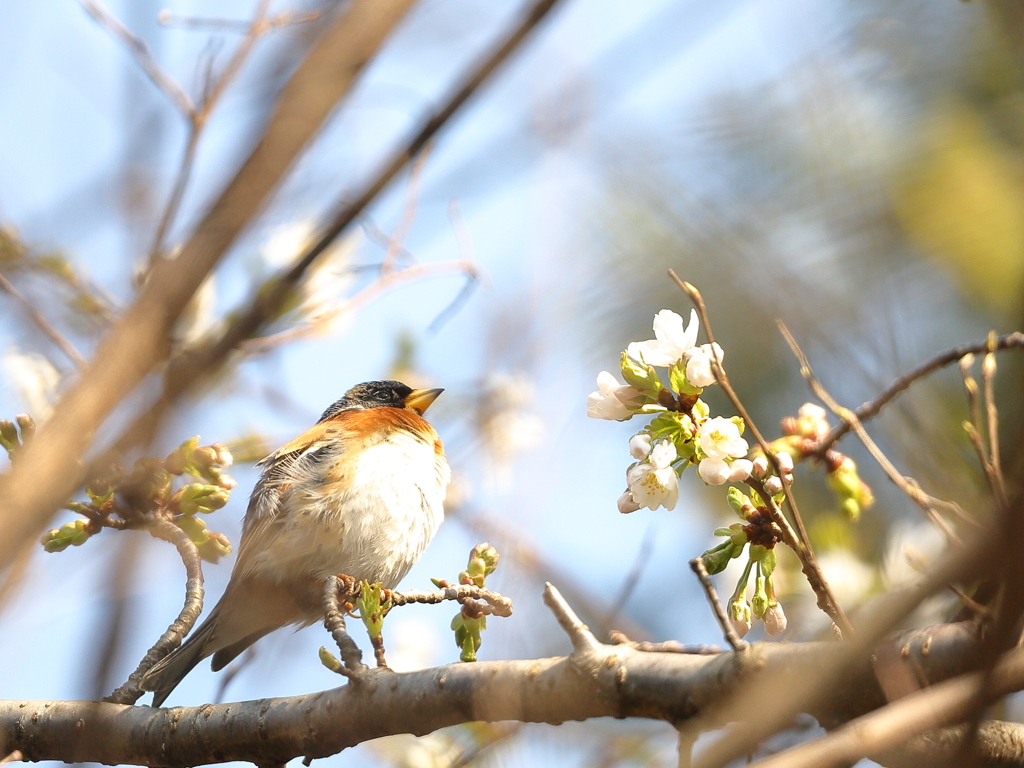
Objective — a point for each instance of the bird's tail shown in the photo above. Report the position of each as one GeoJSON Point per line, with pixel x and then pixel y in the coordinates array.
{"type": "Point", "coordinates": [164, 676]}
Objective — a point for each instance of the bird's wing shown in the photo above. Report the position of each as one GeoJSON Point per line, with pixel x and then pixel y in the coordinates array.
{"type": "Point", "coordinates": [290, 462]}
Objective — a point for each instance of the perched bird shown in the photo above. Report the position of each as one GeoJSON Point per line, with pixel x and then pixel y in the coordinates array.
{"type": "Point", "coordinates": [360, 494]}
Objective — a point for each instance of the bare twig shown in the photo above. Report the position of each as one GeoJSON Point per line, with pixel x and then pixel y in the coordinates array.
{"type": "Point", "coordinates": [394, 278]}
{"type": "Point", "coordinates": [478, 599]}
{"type": "Point", "coordinates": [465, 242]}
{"type": "Point", "coordinates": [334, 622]}
{"type": "Point", "coordinates": [408, 217]}
{"type": "Point", "coordinates": [906, 484]}
{"type": "Point", "coordinates": [988, 375]}
{"type": "Point", "coordinates": [197, 121]}
{"type": "Point", "coordinates": [144, 57]}
{"type": "Point", "coordinates": [901, 384]}
{"type": "Point", "coordinates": [582, 639]}
{"type": "Point", "coordinates": [130, 692]}
{"type": "Point", "coordinates": [43, 324]}
{"type": "Point", "coordinates": [972, 427]}
{"type": "Point", "coordinates": [518, 547]}
{"type": "Point", "coordinates": [734, 640]}
{"type": "Point", "coordinates": [800, 543]}
{"type": "Point", "coordinates": [941, 705]}
{"type": "Point", "coordinates": [241, 26]}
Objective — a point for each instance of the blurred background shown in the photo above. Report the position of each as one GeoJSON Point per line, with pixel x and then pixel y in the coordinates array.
{"type": "Point", "coordinates": [854, 168]}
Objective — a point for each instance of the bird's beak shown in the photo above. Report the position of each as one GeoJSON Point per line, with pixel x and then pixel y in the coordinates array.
{"type": "Point", "coordinates": [420, 399]}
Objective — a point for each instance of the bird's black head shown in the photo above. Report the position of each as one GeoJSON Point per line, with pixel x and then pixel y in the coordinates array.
{"type": "Point", "coordinates": [383, 394]}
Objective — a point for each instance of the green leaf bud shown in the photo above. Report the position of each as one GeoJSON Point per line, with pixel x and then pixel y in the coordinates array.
{"type": "Point", "coordinates": [372, 607]}
{"type": "Point", "coordinates": [215, 547]}
{"type": "Point", "coordinates": [759, 603]}
{"type": "Point", "coordinates": [740, 502]}
{"type": "Point", "coordinates": [328, 660]}
{"type": "Point", "coordinates": [9, 435]}
{"type": "Point", "coordinates": [768, 563]}
{"type": "Point", "coordinates": [640, 376]}
{"type": "Point", "coordinates": [677, 380]}
{"type": "Point", "coordinates": [715, 560]}
{"type": "Point", "coordinates": [178, 460]}
{"type": "Point", "coordinates": [71, 534]}
{"type": "Point", "coordinates": [700, 411]}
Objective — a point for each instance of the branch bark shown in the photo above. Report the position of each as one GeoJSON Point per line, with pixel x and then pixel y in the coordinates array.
{"type": "Point", "coordinates": [595, 681]}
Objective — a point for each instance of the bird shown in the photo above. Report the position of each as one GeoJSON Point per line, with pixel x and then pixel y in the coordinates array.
{"type": "Point", "coordinates": [361, 493]}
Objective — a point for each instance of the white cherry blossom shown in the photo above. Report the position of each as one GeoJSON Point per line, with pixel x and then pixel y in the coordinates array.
{"type": "Point", "coordinates": [740, 470]}
{"type": "Point", "coordinates": [626, 504]}
{"type": "Point", "coordinates": [608, 402]}
{"type": "Point", "coordinates": [671, 340]}
{"type": "Point", "coordinates": [719, 438]}
{"type": "Point", "coordinates": [699, 364]}
{"type": "Point", "coordinates": [640, 445]}
{"type": "Point", "coordinates": [653, 483]}
{"type": "Point", "coordinates": [714, 471]}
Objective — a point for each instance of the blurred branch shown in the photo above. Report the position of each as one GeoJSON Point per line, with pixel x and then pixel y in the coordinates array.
{"type": "Point", "coordinates": [197, 121]}
{"type": "Point", "coordinates": [189, 368]}
{"type": "Point", "coordinates": [49, 471]}
{"type": "Point", "coordinates": [283, 19]}
{"type": "Point", "coordinates": [812, 692]}
{"type": "Point", "coordinates": [940, 705]}
{"type": "Point", "coordinates": [144, 57]}
{"type": "Point", "coordinates": [669, 646]}
{"type": "Point", "coordinates": [43, 324]}
{"type": "Point", "coordinates": [130, 692]}
{"type": "Point", "coordinates": [391, 279]}
{"type": "Point", "coordinates": [408, 217]}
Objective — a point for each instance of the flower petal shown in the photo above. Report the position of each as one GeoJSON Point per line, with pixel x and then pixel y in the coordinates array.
{"type": "Point", "coordinates": [713, 471]}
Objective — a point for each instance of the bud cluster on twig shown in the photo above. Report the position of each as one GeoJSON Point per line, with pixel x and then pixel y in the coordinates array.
{"type": "Point", "coordinates": [374, 602]}
{"type": "Point", "coordinates": [135, 500]}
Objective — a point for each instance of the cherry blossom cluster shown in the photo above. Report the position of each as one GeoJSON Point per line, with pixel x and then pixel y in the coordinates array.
{"type": "Point", "coordinates": [682, 432]}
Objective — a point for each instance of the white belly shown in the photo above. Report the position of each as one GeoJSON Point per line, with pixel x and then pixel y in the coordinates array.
{"type": "Point", "coordinates": [374, 530]}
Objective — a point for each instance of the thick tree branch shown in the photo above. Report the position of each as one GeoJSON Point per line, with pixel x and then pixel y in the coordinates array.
{"type": "Point", "coordinates": [596, 681]}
